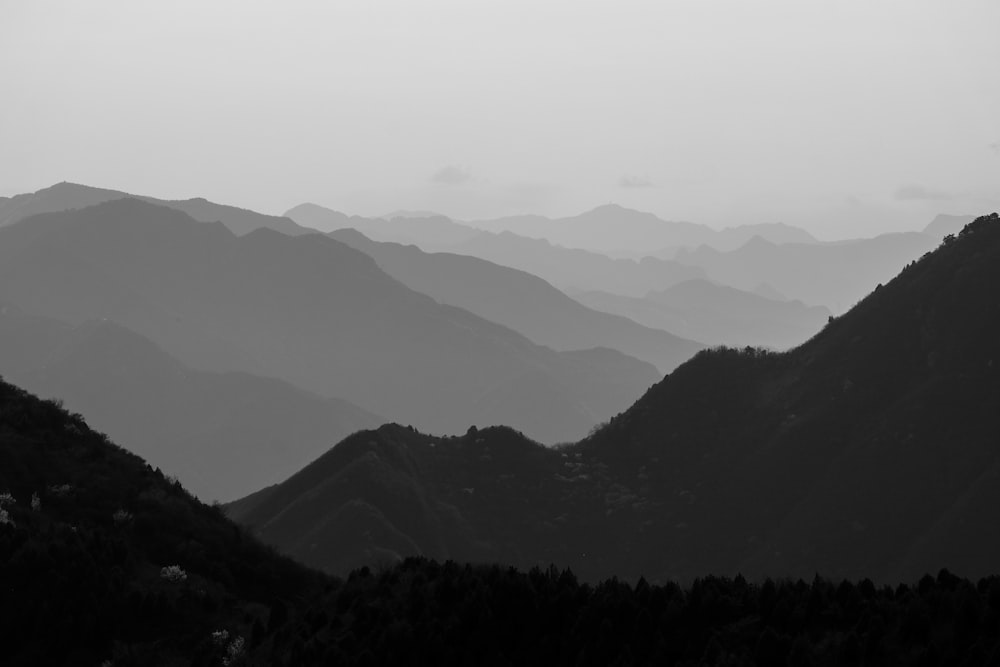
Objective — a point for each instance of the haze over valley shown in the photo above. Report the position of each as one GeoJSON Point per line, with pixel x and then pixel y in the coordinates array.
{"type": "Point", "coordinates": [548, 333]}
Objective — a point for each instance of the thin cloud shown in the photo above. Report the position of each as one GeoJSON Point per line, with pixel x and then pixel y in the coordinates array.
{"type": "Point", "coordinates": [451, 175]}
{"type": "Point", "coordinates": [995, 147]}
{"type": "Point", "coordinates": [921, 193]}
{"type": "Point", "coordinates": [632, 181]}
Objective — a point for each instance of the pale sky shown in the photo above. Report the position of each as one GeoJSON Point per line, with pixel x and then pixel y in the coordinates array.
{"type": "Point", "coordinates": [846, 118]}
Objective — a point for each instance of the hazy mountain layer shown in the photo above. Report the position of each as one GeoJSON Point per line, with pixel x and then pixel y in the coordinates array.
{"type": "Point", "coordinates": [434, 231]}
{"type": "Point", "coordinates": [835, 275]}
{"type": "Point", "coordinates": [309, 310]}
{"type": "Point", "coordinates": [716, 314]}
{"type": "Point", "coordinates": [578, 269]}
{"type": "Point", "coordinates": [68, 196]}
{"type": "Point", "coordinates": [222, 434]}
{"type": "Point", "coordinates": [521, 301]}
{"type": "Point", "coordinates": [565, 268]}
{"type": "Point", "coordinates": [616, 228]}
{"type": "Point", "coordinates": [869, 451]}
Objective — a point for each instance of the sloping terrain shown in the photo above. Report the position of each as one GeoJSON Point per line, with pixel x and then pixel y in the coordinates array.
{"type": "Point", "coordinates": [103, 559]}
{"type": "Point", "coordinates": [870, 450]}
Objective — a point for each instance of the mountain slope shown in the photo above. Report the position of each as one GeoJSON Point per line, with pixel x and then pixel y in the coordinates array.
{"type": "Point", "coordinates": [86, 530]}
{"type": "Point", "coordinates": [130, 570]}
{"type": "Point", "coordinates": [716, 314]}
{"type": "Point", "coordinates": [870, 451]}
{"type": "Point", "coordinates": [222, 434]}
{"type": "Point", "coordinates": [520, 301]}
{"type": "Point", "coordinates": [308, 310]}
{"type": "Point", "coordinates": [841, 455]}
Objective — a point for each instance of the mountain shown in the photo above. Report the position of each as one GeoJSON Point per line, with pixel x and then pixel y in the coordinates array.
{"type": "Point", "coordinates": [563, 267]}
{"type": "Point", "coordinates": [716, 314]}
{"type": "Point", "coordinates": [431, 230]}
{"type": "Point", "coordinates": [942, 225]}
{"type": "Point", "coordinates": [132, 570]}
{"type": "Point", "coordinates": [521, 301]}
{"type": "Point", "coordinates": [308, 310]}
{"type": "Point", "coordinates": [222, 434]}
{"type": "Point", "coordinates": [59, 197]}
{"type": "Point", "coordinates": [123, 561]}
{"type": "Point", "coordinates": [615, 228]}
{"type": "Point", "coordinates": [68, 196]}
{"type": "Point", "coordinates": [406, 213]}
{"type": "Point", "coordinates": [578, 269]}
{"type": "Point", "coordinates": [869, 451]}
{"type": "Point", "coordinates": [835, 275]}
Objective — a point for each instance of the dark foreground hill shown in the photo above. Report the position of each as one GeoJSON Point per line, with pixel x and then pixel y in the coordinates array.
{"type": "Point", "coordinates": [86, 530]}
{"type": "Point", "coordinates": [105, 561]}
{"type": "Point", "coordinates": [871, 450]}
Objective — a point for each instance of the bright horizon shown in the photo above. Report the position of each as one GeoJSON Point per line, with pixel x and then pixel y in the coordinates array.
{"type": "Point", "coordinates": [846, 120]}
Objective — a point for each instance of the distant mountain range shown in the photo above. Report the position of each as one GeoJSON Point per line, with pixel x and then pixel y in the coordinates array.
{"type": "Point", "coordinates": [716, 314]}
{"type": "Point", "coordinates": [68, 196]}
{"type": "Point", "coordinates": [836, 275]}
{"type": "Point", "coordinates": [564, 268]}
{"type": "Point", "coordinates": [520, 301]}
{"type": "Point", "coordinates": [433, 231]}
{"type": "Point", "coordinates": [615, 228]}
{"type": "Point", "coordinates": [868, 451]}
{"type": "Point", "coordinates": [785, 261]}
{"type": "Point", "coordinates": [223, 434]}
{"type": "Point", "coordinates": [308, 310]}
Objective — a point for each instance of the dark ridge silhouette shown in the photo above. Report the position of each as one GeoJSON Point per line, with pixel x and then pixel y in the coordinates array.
{"type": "Point", "coordinates": [69, 196]}
{"type": "Point", "coordinates": [716, 314]}
{"type": "Point", "coordinates": [836, 275]}
{"type": "Point", "coordinates": [222, 434]}
{"type": "Point", "coordinates": [870, 450]}
{"type": "Point", "coordinates": [521, 301]}
{"type": "Point", "coordinates": [130, 569]}
{"type": "Point", "coordinates": [611, 227]}
{"type": "Point", "coordinates": [308, 310]}
{"type": "Point", "coordinates": [86, 530]}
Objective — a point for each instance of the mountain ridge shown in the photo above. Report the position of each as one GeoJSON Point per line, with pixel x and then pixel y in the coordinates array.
{"type": "Point", "coordinates": [305, 309]}
{"type": "Point", "coordinates": [833, 457]}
